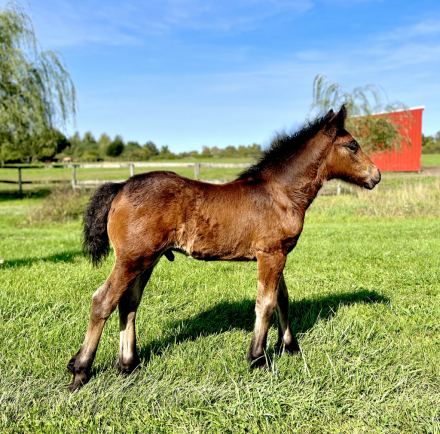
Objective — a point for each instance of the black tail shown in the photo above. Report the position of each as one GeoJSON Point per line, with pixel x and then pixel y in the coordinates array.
{"type": "Point", "coordinates": [95, 237]}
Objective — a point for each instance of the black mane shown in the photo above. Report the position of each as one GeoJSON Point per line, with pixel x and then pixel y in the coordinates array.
{"type": "Point", "coordinates": [283, 147]}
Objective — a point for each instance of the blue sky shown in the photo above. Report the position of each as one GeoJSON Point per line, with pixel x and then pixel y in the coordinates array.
{"type": "Point", "coordinates": [188, 73]}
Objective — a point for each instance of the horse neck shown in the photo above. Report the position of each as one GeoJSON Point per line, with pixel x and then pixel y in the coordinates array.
{"type": "Point", "coordinates": [305, 173]}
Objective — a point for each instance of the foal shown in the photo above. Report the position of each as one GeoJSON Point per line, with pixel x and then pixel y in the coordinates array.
{"type": "Point", "coordinates": [258, 217]}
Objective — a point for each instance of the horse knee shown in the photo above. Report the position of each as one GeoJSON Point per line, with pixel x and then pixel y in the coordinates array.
{"type": "Point", "coordinates": [102, 304]}
{"type": "Point", "coordinates": [265, 308]}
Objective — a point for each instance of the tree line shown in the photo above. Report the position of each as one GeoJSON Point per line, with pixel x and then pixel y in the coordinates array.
{"type": "Point", "coordinates": [87, 148]}
{"type": "Point", "coordinates": [431, 144]}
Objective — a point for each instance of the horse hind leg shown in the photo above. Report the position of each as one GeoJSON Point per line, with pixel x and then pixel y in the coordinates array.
{"type": "Point", "coordinates": [285, 336]}
{"type": "Point", "coordinates": [128, 359]}
{"type": "Point", "coordinates": [104, 302]}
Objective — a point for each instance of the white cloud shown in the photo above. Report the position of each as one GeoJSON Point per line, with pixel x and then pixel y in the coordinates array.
{"type": "Point", "coordinates": [430, 27]}
{"type": "Point", "coordinates": [67, 23]}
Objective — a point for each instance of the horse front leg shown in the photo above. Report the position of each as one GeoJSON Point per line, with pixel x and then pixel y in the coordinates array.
{"type": "Point", "coordinates": [285, 336]}
{"type": "Point", "coordinates": [270, 268]}
{"type": "Point", "coordinates": [128, 359]}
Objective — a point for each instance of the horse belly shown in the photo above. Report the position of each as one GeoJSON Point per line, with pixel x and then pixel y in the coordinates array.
{"type": "Point", "coordinates": [214, 245]}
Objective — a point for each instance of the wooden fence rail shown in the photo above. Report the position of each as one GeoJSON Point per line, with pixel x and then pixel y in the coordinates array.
{"type": "Point", "coordinates": [93, 183]}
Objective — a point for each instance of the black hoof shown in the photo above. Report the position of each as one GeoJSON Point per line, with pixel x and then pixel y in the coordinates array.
{"type": "Point", "coordinates": [127, 368]}
{"type": "Point", "coordinates": [254, 361]}
{"type": "Point", "coordinates": [292, 349]}
{"type": "Point", "coordinates": [78, 381]}
{"type": "Point", "coordinates": [71, 365]}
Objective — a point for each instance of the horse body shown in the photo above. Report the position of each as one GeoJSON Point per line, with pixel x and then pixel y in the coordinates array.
{"type": "Point", "coordinates": [258, 217]}
{"type": "Point", "coordinates": [233, 221]}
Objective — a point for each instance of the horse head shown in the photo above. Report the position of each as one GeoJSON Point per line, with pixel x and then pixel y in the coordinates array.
{"type": "Point", "coordinates": [345, 159]}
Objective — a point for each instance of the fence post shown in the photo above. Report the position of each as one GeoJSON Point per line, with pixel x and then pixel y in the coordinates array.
{"type": "Point", "coordinates": [131, 169]}
{"type": "Point", "coordinates": [73, 177]}
{"type": "Point", "coordinates": [20, 186]}
{"type": "Point", "coordinates": [196, 170]}
{"type": "Point", "coordinates": [338, 191]}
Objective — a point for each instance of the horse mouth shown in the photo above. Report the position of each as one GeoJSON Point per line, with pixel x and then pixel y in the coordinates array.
{"type": "Point", "coordinates": [371, 183]}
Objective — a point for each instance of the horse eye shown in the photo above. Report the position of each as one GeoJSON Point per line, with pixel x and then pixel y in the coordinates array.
{"type": "Point", "coordinates": [353, 147]}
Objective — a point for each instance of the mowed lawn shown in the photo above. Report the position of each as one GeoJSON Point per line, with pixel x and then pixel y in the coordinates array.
{"type": "Point", "coordinates": [364, 304]}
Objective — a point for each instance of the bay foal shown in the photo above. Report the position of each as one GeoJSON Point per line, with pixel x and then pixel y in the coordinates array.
{"type": "Point", "coordinates": [258, 217]}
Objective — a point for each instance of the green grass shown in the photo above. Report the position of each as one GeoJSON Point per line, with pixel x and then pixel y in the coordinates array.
{"type": "Point", "coordinates": [364, 303]}
{"type": "Point", "coordinates": [430, 159]}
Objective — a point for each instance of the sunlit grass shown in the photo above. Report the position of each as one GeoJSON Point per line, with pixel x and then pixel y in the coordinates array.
{"type": "Point", "coordinates": [364, 303]}
{"type": "Point", "coordinates": [430, 159]}
{"type": "Point", "coordinates": [393, 197]}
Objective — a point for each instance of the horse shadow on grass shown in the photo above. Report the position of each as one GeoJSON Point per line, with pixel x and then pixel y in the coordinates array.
{"type": "Point", "coordinates": [226, 316]}
{"type": "Point", "coordinates": [69, 256]}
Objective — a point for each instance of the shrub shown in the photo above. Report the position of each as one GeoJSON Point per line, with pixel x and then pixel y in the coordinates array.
{"type": "Point", "coordinates": [62, 205]}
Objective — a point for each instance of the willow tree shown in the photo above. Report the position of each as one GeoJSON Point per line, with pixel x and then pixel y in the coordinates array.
{"type": "Point", "coordinates": [375, 133]}
{"type": "Point", "coordinates": [37, 95]}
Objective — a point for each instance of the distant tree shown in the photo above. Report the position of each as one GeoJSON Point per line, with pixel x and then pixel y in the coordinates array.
{"type": "Point", "coordinates": [103, 143]}
{"type": "Point", "coordinates": [132, 146]}
{"type": "Point", "coordinates": [206, 152]}
{"type": "Point", "coordinates": [215, 151]}
{"type": "Point", "coordinates": [229, 151]}
{"type": "Point", "coordinates": [150, 149]}
{"type": "Point", "coordinates": [253, 150]}
{"type": "Point", "coordinates": [75, 139]}
{"type": "Point", "coordinates": [88, 139]}
{"type": "Point", "coordinates": [133, 151]}
{"type": "Point", "coordinates": [36, 92]}
{"type": "Point", "coordinates": [166, 154]}
{"type": "Point", "coordinates": [76, 148]}
{"type": "Point", "coordinates": [116, 147]}
{"type": "Point", "coordinates": [374, 133]}
{"type": "Point", "coordinates": [47, 144]}
{"type": "Point", "coordinates": [431, 144]}
{"type": "Point", "coordinates": [91, 150]}
{"type": "Point", "coordinates": [194, 154]}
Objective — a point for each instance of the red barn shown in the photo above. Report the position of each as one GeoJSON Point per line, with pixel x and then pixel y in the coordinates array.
{"type": "Point", "coordinates": [409, 157]}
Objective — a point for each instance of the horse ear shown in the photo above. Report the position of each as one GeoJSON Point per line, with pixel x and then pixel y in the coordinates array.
{"type": "Point", "coordinates": [336, 123]}
{"type": "Point", "coordinates": [342, 117]}
{"type": "Point", "coordinates": [329, 115]}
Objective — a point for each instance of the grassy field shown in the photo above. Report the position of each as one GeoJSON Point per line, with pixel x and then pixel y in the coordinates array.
{"type": "Point", "coordinates": [364, 283]}
{"type": "Point", "coordinates": [430, 159]}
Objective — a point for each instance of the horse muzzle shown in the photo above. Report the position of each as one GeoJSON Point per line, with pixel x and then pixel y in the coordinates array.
{"type": "Point", "coordinates": [373, 177]}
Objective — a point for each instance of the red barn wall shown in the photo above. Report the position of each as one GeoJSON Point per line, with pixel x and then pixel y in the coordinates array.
{"type": "Point", "coordinates": [408, 158]}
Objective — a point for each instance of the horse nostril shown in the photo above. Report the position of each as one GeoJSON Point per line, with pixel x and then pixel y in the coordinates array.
{"type": "Point", "coordinates": [377, 176]}
{"type": "Point", "coordinates": [374, 174]}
